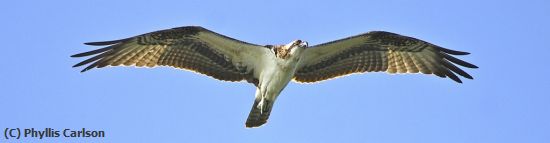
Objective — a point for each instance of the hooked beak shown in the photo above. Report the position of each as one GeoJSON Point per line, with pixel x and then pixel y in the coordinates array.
{"type": "Point", "coordinates": [304, 44]}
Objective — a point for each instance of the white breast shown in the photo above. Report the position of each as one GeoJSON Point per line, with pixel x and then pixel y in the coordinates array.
{"type": "Point", "coordinates": [276, 73]}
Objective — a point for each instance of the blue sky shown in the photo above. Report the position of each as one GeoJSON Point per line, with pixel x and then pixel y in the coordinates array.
{"type": "Point", "coordinates": [507, 101]}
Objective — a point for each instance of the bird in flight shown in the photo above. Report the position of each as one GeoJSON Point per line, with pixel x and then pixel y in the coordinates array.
{"type": "Point", "coordinates": [271, 67]}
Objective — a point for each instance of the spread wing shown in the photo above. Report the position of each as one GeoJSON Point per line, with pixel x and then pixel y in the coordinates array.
{"type": "Point", "coordinates": [191, 48]}
{"type": "Point", "coordinates": [379, 52]}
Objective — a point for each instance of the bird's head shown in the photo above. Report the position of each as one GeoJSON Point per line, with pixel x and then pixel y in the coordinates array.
{"type": "Point", "coordinates": [296, 47]}
{"type": "Point", "coordinates": [293, 49]}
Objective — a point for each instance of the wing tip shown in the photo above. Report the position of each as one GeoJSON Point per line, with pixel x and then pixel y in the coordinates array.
{"type": "Point", "coordinates": [105, 43]}
{"type": "Point", "coordinates": [93, 60]}
{"type": "Point", "coordinates": [100, 43]}
{"type": "Point", "coordinates": [458, 61]}
{"type": "Point", "coordinates": [84, 70]}
{"type": "Point", "coordinates": [92, 52]}
{"type": "Point", "coordinates": [452, 52]}
{"type": "Point", "coordinates": [454, 77]}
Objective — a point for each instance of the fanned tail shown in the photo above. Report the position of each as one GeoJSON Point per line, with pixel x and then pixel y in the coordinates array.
{"type": "Point", "coordinates": [258, 116]}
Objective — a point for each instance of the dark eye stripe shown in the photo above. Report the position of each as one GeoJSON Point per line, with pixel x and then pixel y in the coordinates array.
{"type": "Point", "coordinates": [297, 42]}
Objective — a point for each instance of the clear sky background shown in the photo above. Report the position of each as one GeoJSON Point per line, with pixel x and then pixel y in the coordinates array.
{"type": "Point", "coordinates": [508, 102]}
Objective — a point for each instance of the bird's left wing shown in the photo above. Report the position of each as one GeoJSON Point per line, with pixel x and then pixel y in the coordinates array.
{"type": "Point", "coordinates": [378, 51]}
{"type": "Point", "coordinates": [191, 48]}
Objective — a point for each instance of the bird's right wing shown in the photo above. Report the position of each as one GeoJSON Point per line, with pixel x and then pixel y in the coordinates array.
{"type": "Point", "coordinates": [192, 48]}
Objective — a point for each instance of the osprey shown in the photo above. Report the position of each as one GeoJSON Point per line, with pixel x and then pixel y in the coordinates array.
{"type": "Point", "coordinates": [271, 67]}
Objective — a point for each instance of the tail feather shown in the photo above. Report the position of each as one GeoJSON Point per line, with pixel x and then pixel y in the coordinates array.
{"type": "Point", "coordinates": [257, 116]}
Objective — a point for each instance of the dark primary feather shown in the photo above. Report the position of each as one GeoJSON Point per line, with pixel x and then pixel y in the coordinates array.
{"type": "Point", "coordinates": [93, 52]}
{"type": "Point", "coordinates": [93, 59]}
{"type": "Point", "coordinates": [458, 61]}
{"type": "Point", "coordinates": [104, 43]}
{"type": "Point", "coordinates": [449, 51]}
{"type": "Point", "coordinates": [381, 51]}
